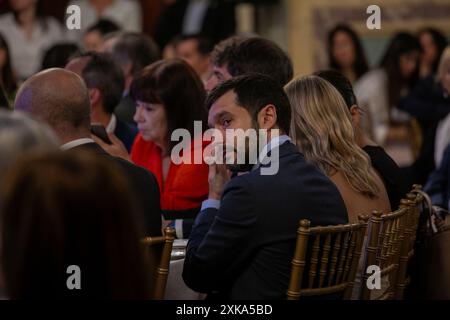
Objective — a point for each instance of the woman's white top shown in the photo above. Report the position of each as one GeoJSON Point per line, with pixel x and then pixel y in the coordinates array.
{"type": "Point", "coordinates": [27, 54]}
{"type": "Point", "coordinates": [372, 95]}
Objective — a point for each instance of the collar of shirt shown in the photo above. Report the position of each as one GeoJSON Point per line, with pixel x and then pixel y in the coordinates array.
{"type": "Point", "coordinates": [111, 127]}
{"type": "Point", "coordinates": [76, 143]}
{"type": "Point", "coordinates": [274, 143]}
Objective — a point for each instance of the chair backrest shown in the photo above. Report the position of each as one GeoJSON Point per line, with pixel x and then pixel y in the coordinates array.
{"type": "Point", "coordinates": [414, 203]}
{"type": "Point", "coordinates": [159, 250]}
{"type": "Point", "coordinates": [385, 239]}
{"type": "Point", "coordinates": [326, 260]}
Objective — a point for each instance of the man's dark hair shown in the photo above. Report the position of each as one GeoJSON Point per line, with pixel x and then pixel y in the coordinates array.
{"type": "Point", "coordinates": [102, 73]}
{"type": "Point", "coordinates": [254, 92]}
{"type": "Point", "coordinates": [103, 26]}
{"type": "Point", "coordinates": [137, 49]}
{"type": "Point", "coordinates": [341, 83]}
{"type": "Point", "coordinates": [253, 55]}
{"type": "Point", "coordinates": [204, 44]}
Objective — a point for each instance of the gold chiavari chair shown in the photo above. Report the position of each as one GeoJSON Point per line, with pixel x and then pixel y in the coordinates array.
{"type": "Point", "coordinates": [159, 250]}
{"type": "Point", "coordinates": [326, 260]}
{"type": "Point", "coordinates": [386, 235]}
{"type": "Point", "coordinates": [414, 204]}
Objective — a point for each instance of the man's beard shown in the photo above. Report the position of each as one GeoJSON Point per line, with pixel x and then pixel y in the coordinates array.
{"type": "Point", "coordinates": [247, 164]}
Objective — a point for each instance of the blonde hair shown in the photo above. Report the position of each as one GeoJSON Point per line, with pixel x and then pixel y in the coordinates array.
{"type": "Point", "coordinates": [445, 57]}
{"type": "Point", "coordinates": [322, 129]}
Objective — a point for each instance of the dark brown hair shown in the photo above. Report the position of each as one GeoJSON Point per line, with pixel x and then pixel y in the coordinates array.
{"type": "Point", "coordinates": [63, 209]}
{"type": "Point", "coordinates": [253, 55]}
{"type": "Point", "coordinates": [7, 77]}
{"type": "Point", "coordinates": [360, 65]}
{"type": "Point", "coordinates": [253, 92]}
{"type": "Point", "coordinates": [175, 85]}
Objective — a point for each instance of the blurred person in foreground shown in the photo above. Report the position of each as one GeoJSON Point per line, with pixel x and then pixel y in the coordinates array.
{"type": "Point", "coordinates": [66, 214]}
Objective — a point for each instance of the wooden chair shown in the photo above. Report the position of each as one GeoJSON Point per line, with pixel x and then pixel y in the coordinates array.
{"type": "Point", "coordinates": [159, 250]}
{"type": "Point", "coordinates": [326, 259]}
{"type": "Point", "coordinates": [414, 204]}
{"type": "Point", "coordinates": [386, 238]}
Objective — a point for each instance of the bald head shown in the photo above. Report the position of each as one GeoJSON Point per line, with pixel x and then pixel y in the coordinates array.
{"type": "Point", "coordinates": [60, 98]}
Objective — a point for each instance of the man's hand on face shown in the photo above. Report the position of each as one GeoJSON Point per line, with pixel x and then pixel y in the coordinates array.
{"type": "Point", "coordinates": [219, 175]}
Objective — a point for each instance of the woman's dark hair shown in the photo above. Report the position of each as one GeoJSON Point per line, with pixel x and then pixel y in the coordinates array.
{"type": "Point", "coordinates": [341, 83]}
{"type": "Point", "coordinates": [360, 65]}
{"type": "Point", "coordinates": [402, 43]}
{"type": "Point", "coordinates": [59, 55]}
{"type": "Point", "coordinates": [175, 85]}
{"type": "Point", "coordinates": [439, 40]}
{"type": "Point", "coordinates": [70, 209]}
{"type": "Point", "coordinates": [7, 77]}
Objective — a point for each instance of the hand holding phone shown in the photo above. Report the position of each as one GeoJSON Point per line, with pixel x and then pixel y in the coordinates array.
{"type": "Point", "coordinates": [100, 131]}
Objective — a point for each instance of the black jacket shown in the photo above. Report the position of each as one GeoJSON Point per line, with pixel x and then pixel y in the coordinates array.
{"type": "Point", "coordinates": [144, 187]}
{"type": "Point", "coordinates": [244, 249]}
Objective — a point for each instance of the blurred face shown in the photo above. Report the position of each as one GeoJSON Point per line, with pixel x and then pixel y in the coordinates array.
{"type": "Point", "coordinates": [188, 51]}
{"type": "Point", "coordinates": [152, 122]}
{"type": "Point", "coordinates": [218, 76]}
{"type": "Point", "coordinates": [343, 50]}
{"type": "Point", "coordinates": [446, 76]}
{"type": "Point", "coordinates": [93, 41]}
{"type": "Point", "coordinates": [430, 51]}
{"type": "Point", "coordinates": [2, 58]}
{"type": "Point", "coordinates": [20, 5]}
{"type": "Point", "coordinates": [408, 63]}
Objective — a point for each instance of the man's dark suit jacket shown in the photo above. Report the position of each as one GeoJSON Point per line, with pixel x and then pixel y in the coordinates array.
{"type": "Point", "coordinates": [219, 21]}
{"type": "Point", "coordinates": [125, 110]}
{"type": "Point", "coordinates": [126, 133]}
{"type": "Point", "coordinates": [143, 185]}
{"type": "Point", "coordinates": [244, 250]}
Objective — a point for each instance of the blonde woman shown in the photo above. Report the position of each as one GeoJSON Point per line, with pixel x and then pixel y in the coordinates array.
{"type": "Point", "coordinates": [322, 130]}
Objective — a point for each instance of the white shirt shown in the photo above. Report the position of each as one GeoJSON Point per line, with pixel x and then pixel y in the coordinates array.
{"type": "Point", "coordinates": [127, 14]}
{"type": "Point", "coordinates": [111, 127]}
{"type": "Point", "coordinates": [27, 54]}
{"type": "Point", "coordinates": [76, 143]}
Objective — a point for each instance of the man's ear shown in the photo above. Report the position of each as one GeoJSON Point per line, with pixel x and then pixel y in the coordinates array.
{"type": "Point", "coordinates": [127, 69]}
{"type": "Point", "coordinates": [94, 96]}
{"type": "Point", "coordinates": [356, 115]}
{"type": "Point", "coordinates": [267, 117]}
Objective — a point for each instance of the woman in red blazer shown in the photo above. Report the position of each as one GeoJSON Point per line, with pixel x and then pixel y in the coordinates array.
{"type": "Point", "coordinates": [169, 95]}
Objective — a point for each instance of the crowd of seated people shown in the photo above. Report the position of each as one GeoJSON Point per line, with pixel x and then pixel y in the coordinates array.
{"type": "Point", "coordinates": [91, 131]}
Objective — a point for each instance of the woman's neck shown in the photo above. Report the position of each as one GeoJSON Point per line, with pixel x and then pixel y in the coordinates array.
{"type": "Point", "coordinates": [349, 73]}
{"type": "Point", "coordinates": [27, 16]}
{"type": "Point", "coordinates": [164, 146]}
{"type": "Point", "coordinates": [101, 5]}
{"type": "Point", "coordinates": [26, 19]}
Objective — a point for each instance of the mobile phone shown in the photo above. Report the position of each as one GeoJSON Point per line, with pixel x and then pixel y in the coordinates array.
{"type": "Point", "coordinates": [100, 131]}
